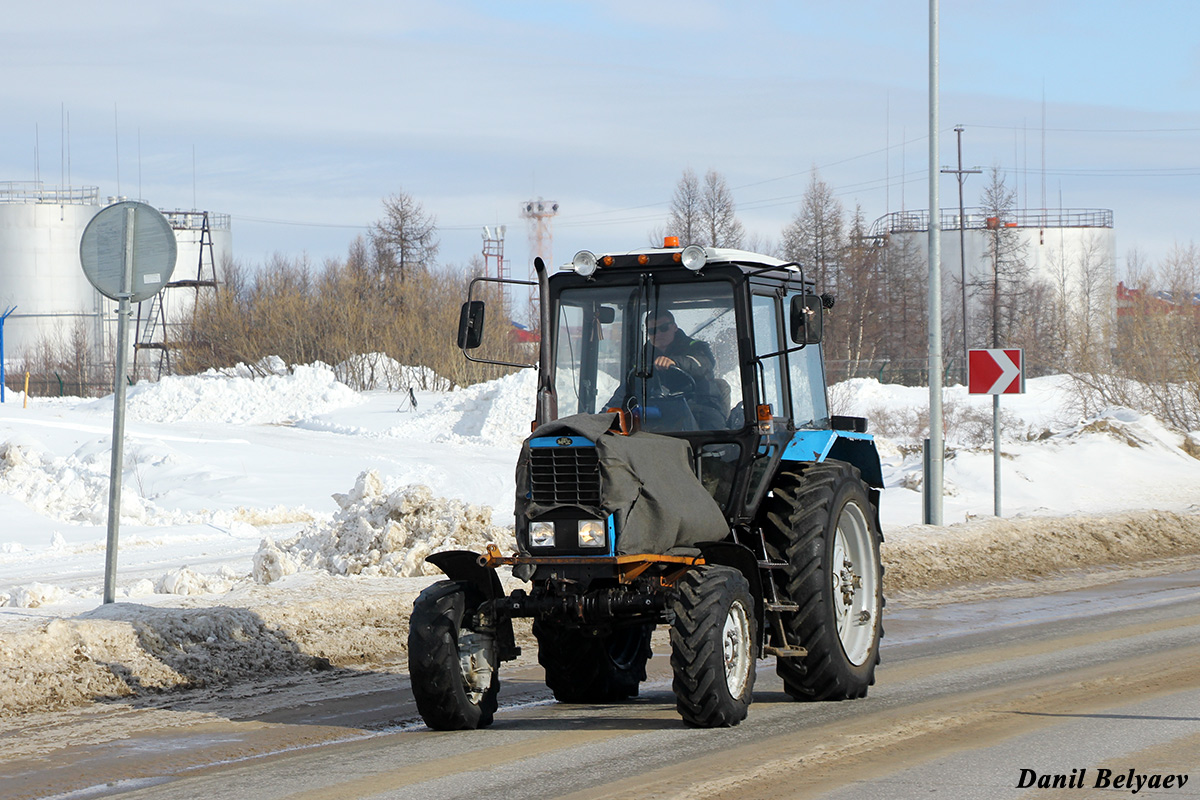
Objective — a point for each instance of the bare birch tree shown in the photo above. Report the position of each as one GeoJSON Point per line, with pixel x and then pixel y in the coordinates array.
{"type": "Point", "coordinates": [406, 238]}
{"type": "Point", "coordinates": [718, 213]}
{"type": "Point", "coordinates": [685, 221]}
{"type": "Point", "coordinates": [815, 237]}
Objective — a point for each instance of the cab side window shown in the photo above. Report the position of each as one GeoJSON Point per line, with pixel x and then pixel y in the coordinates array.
{"type": "Point", "coordinates": [765, 311]}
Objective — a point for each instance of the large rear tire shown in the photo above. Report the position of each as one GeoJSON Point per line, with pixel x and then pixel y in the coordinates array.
{"type": "Point", "coordinates": [454, 670]}
{"type": "Point", "coordinates": [821, 522]}
{"type": "Point", "coordinates": [581, 668]}
{"type": "Point", "coordinates": [713, 647]}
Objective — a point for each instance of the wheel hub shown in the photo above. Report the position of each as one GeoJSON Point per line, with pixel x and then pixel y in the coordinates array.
{"type": "Point", "coordinates": [735, 645]}
{"type": "Point", "coordinates": [854, 584]}
{"type": "Point", "coordinates": [476, 656]}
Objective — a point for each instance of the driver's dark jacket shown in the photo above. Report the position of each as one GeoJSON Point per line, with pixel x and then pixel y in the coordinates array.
{"type": "Point", "coordinates": [695, 357]}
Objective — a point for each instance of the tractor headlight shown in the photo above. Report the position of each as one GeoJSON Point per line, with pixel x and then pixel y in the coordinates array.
{"type": "Point", "coordinates": [584, 263]}
{"type": "Point", "coordinates": [694, 257]}
{"type": "Point", "coordinates": [541, 534]}
{"type": "Point", "coordinates": [591, 533]}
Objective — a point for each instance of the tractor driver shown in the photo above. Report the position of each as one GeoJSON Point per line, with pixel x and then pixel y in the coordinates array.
{"type": "Point", "coordinates": [674, 349]}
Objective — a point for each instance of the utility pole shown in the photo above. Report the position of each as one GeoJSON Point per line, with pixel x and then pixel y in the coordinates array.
{"type": "Point", "coordinates": [962, 246]}
{"type": "Point", "coordinates": [935, 453]}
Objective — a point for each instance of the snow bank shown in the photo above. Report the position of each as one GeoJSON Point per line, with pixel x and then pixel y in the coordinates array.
{"type": "Point", "coordinates": [1028, 548]}
{"type": "Point", "coordinates": [381, 531]}
{"type": "Point", "coordinates": [901, 413]}
{"type": "Point", "coordinates": [495, 414]}
{"type": "Point", "coordinates": [123, 649]}
{"type": "Point", "coordinates": [237, 396]}
{"type": "Point", "coordinates": [379, 371]}
{"type": "Point", "coordinates": [75, 488]}
{"type": "Point", "coordinates": [324, 615]}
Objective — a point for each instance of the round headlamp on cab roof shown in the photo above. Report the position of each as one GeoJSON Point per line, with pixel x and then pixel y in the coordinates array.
{"type": "Point", "coordinates": [584, 263]}
{"type": "Point", "coordinates": [694, 257]}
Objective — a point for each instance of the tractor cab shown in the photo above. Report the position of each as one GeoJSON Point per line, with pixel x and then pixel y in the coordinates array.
{"type": "Point", "coordinates": [705, 344]}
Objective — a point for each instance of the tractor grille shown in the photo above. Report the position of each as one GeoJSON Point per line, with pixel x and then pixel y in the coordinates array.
{"type": "Point", "coordinates": [564, 475]}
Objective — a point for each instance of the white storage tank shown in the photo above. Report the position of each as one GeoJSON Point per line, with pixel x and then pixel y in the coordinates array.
{"type": "Point", "coordinates": [40, 273]}
{"type": "Point", "coordinates": [40, 229]}
{"type": "Point", "coordinates": [1063, 248]}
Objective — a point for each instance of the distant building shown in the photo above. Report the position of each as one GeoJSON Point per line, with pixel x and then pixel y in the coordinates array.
{"type": "Point", "coordinates": [40, 273]}
{"type": "Point", "coordinates": [1066, 248]}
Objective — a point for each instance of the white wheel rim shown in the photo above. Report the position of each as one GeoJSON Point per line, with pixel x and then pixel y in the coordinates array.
{"type": "Point", "coordinates": [735, 645]}
{"type": "Point", "coordinates": [855, 584]}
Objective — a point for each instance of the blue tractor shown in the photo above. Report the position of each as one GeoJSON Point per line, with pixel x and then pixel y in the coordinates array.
{"type": "Point", "coordinates": [683, 470]}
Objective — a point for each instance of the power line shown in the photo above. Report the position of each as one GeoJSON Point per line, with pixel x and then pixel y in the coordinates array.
{"type": "Point", "coordinates": [1092, 130]}
{"type": "Point", "coordinates": [266, 221]}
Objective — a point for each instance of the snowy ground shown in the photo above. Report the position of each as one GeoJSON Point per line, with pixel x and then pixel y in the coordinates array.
{"type": "Point", "coordinates": [278, 523]}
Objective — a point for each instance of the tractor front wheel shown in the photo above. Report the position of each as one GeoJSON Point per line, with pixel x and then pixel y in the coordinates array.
{"type": "Point", "coordinates": [454, 670]}
{"type": "Point", "coordinates": [713, 647]}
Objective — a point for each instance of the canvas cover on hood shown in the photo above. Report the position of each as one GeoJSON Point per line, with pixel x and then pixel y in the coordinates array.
{"type": "Point", "coordinates": [646, 481]}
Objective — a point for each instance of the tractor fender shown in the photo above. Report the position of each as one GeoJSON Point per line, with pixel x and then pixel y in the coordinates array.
{"type": "Point", "coordinates": [741, 558]}
{"type": "Point", "coordinates": [465, 566]}
{"type": "Point", "coordinates": [853, 447]}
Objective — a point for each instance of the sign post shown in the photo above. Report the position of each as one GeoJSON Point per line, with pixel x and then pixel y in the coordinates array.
{"type": "Point", "coordinates": [3, 317]}
{"type": "Point", "coordinates": [128, 252]}
{"type": "Point", "coordinates": [996, 372]}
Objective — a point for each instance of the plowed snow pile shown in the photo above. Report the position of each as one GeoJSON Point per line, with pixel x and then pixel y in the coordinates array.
{"type": "Point", "coordinates": [496, 413]}
{"type": "Point", "coordinates": [75, 489]}
{"type": "Point", "coordinates": [314, 614]}
{"type": "Point", "coordinates": [305, 622]}
{"type": "Point", "coordinates": [383, 532]}
{"type": "Point", "coordinates": [239, 396]}
{"type": "Point", "coordinates": [1028, 548]}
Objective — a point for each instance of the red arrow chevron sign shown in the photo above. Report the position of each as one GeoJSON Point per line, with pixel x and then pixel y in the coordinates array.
{"type": "Point", "coordinates": [995, 372]}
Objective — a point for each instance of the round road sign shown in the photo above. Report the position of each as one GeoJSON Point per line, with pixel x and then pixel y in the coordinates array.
{"type": "Point", "coordinates": [128, 250]}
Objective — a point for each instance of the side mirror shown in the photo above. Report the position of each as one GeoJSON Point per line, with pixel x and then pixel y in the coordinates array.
{"type": "Point", "coordinates": [807, 319]}
{"type": "Point", "coordinates": [470, 325]}
{"type": "Point", "coordinates": [606, 314]}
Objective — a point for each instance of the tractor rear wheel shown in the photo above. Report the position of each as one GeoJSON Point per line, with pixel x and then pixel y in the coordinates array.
{"type": "Point", "coordinates": [454, 670]}
{"type": "Point", "coordinates": [713, 647]}
{"type": "Point", "coordinates": [821, 522]}
{"type": "Point", "coordinates": [581, 668]}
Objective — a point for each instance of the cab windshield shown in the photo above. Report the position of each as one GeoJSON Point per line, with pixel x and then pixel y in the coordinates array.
{"type": "Point", "coordinates": [666, 352]}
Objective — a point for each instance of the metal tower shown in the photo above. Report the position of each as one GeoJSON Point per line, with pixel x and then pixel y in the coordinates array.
{"type": "Point", "coordinates": [493, 252]}
{"type": "Point", "coordinates": [541, 239]}
{"type": "Point", "coordinates": [154, 331]}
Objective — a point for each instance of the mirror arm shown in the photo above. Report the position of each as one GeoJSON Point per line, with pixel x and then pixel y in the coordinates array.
{"type": "Point", "coordinates": [471, 296]}
{"type": "Point", "coordinates": [798, 347]}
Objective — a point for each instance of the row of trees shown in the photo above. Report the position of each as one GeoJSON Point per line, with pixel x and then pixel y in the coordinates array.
{"type": "Point", "coordinates": [1156, 363]}
{"type": "Point", "coordinates": [387, 297]}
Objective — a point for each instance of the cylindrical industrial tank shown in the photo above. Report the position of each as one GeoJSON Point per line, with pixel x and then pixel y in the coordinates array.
{"type": "Point", "coordinates": [40, 274]}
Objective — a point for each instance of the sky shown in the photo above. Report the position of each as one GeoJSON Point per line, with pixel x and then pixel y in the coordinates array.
{"type": "Point", "coordinates": [299, 118]}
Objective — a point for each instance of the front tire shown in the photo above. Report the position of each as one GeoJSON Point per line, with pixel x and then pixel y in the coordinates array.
{"type": "Point", "coordinates": [821, 522]}
{"type": "Point", "coordinates": [713, 647]}
{"type": "Point", "coordinates": [454, 670]}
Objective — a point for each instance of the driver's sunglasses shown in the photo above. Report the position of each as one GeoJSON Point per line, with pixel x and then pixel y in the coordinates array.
{"type": "Point", "coordinates": [662, 327]}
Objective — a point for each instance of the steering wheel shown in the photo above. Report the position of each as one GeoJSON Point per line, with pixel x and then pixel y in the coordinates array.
{"type": "Point", "coordinates": [675, 380]}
